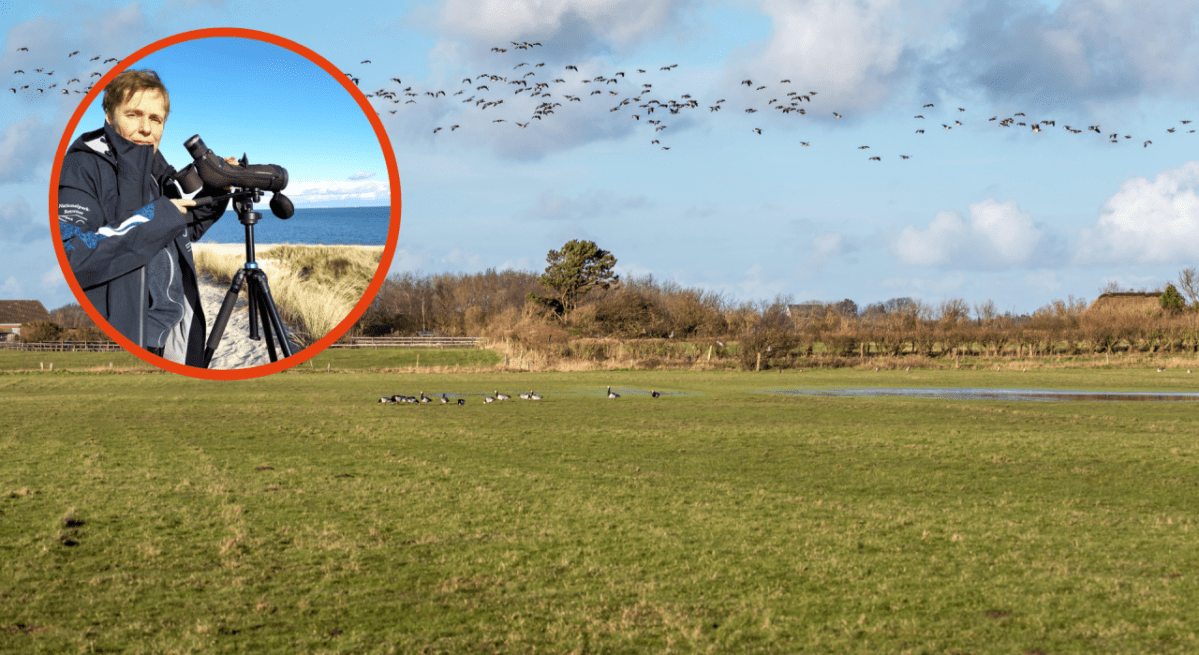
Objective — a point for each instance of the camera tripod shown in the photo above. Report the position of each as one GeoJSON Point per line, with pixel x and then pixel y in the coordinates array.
{"type": "Point", "coordinates": [262, 305]}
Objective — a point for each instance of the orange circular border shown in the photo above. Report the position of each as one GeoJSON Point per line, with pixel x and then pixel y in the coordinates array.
{"type": "Point", "coordinates": [393, 233]}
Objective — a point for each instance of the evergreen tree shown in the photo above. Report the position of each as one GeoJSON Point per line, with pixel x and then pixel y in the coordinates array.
{"type": "Point", "coordinates": [1171, 300]}
{"type": "Point", "coordinates": [577, 268]}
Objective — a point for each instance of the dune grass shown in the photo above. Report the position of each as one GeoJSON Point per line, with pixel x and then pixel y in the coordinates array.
{"type": "Point", "coordinates": [156, 513]}
{"type": "Point", "coordinates": [315, 287]}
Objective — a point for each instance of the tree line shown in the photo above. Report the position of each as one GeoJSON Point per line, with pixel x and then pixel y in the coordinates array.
{"type": "Point", "coordinates": [578, 297]}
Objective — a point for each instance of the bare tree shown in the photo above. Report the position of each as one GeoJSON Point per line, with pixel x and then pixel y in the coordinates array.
{"type": "Point", "coordinates": [1188, 282]}
{"type": "Point", "coordinates": [1112, 286]}
{"type": "Point", "coordinates": [952, 312]}
{"type": "Point", "coordinates": [986, 312]}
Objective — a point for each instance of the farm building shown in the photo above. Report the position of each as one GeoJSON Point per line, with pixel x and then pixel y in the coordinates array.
{"type": "Point", "coordinates": [15, 312]}
{"type": "Point", "coordinates": [1129, 302]}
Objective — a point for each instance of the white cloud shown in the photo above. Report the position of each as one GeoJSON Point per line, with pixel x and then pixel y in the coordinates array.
{"type": "Point", "coordinates": [587, 205]}
{"type": "Point", "coordinates": [18, 223]}
{"type": "Point", "coordinates": [25, 145]}
{"type": "Point", "coordinates": [357, 192]}
{"type": "Point", "coordinates": [569, 26]}
{"type": "Point", "coordinates": [998, 235]}
{"type": "Point", "coordinates": [464, 260]}
{"type": "Point", "coordinates": [1147, 222]}
{"type": "Point", "coordinates": [362, 175]}
{"type": "Point", "coordinates": [851, 51]}
{"type": "Point", "coordinates": [12, 289]}
{"type": "Point", "coordinates": [827, 247]}
{"type": "Point", "coordinates": [52, 279]}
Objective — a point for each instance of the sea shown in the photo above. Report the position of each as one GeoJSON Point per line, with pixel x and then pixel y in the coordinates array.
{"type": "Point", "coordinates": [363, 226]}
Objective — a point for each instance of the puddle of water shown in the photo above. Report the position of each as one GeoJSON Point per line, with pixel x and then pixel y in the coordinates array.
{"type": "Point", "coordinates": [1034, 395]}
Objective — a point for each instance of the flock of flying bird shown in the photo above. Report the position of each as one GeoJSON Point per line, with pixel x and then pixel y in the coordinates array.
{"type": "Point", "coordinates": [422, 399]}
{"type": "Point", "coordinates": [637, 101]}
{"type": "Point", "coordinates": [42, 85]}
{"type": "Point", "coordinates": [536, 90]}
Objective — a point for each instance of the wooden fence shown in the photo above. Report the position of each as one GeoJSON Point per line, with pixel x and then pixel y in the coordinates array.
{"type": "Point", "coordinates": [411, 342]}
{"type": "Point", "coordinates": [62, 346]}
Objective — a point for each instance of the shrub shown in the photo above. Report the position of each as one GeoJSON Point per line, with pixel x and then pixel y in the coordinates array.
{"type": "Point", "coordinates": [1172, 301]}
{"type": "Point", "coordinates": [40, 331]}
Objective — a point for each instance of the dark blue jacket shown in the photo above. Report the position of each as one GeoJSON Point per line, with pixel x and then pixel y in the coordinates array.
{"type": "Point", "coordinates": [127, 244]}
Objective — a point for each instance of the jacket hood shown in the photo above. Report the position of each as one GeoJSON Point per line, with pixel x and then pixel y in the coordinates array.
{"type": "Point", "coordinates": [119, 151]}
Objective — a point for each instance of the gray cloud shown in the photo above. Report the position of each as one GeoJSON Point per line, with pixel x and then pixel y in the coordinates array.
{"type": "Point", "coordinates": [1018, 51]}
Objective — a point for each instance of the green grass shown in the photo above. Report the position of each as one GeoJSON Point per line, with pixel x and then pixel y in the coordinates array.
{"type": "Point", "coordinates": [14, 360]}
{"type": "Point", "coordinates": [295, 514]}
{"type": "Point", "coordinates": [404, 358]}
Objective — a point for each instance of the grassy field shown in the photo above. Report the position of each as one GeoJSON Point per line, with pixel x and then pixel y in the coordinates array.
{"type": "Point", "coordinates": [152, 513]}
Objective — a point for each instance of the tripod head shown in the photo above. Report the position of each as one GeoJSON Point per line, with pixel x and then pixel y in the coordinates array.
{"type": "Point", "coordinates": [280, 204]}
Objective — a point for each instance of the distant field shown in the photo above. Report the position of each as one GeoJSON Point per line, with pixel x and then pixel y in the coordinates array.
{"type": "Point", "coordinates": [156, 513]}
{"type": "Point", "coordinates": [339, 358]}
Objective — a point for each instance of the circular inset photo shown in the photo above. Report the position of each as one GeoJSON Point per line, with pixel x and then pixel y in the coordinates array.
{"type": "Point", "coordinates": [227, 202]}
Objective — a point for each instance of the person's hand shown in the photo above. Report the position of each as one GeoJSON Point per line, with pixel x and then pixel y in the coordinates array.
{"type": "Point", "coordinates": [232, 161]}
{"type": "Point", "coordinates": [183, 202]}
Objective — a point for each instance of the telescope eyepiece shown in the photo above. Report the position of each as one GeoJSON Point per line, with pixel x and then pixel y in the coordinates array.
{"type": "Point", "coordinates": [195, 147]}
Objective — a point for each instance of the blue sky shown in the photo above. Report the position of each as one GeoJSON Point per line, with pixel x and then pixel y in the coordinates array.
{"type": "Point", "coordinates": [981, 212]}
{"type": "Point", "coordinates": [244, 96]}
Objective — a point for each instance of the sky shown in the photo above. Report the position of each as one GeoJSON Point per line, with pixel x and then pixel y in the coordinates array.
{"type": "Point", "coordinates": [244, 96]}
{"type": "Point", "coordinates": [727, 200]}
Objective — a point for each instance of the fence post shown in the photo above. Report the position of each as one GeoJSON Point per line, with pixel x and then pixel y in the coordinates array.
{"type": "Point", "coordinates": [758, 367]}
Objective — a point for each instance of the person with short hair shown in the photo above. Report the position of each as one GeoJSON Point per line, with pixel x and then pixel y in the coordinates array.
{"type": "Point", "coordinates": [127, 243]}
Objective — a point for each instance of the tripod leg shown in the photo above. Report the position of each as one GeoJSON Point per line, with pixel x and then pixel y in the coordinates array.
{"type": "Point", "coordinates": [255, 286]}
{"type": "Point", "coordinates": [272, 313]}
{"type": "Point", "coordinates": [255, 305]}
{"type": "Point", "coordinates": [222, 317]}
{"type": "Point", "coordinates": [272, 323]}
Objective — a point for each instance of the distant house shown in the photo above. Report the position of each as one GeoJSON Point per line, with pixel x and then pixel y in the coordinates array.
{"type": "Point", "coordinates": [15, 312]}
{"type": "Point", "coordinates": [807, 310]}
{"type": "Point", "coordinates": [1135, 302]}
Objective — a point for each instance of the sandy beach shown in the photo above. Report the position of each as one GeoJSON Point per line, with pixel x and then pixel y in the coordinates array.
{"type": "Point", "coordinates": [236, 350]}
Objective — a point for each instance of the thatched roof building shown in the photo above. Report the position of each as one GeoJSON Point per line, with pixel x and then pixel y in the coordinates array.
{"type": "Point", "coordinates": [1128, 302]}
{"type": "Point", "coordinates": [15, 312]}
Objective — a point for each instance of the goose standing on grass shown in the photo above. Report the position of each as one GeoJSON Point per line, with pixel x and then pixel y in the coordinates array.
{"type": "Point", "coordinates": [444, 400]}
{"type": "Point", "coordinates": [461, 402]}
{"type": "Point", "coordinates": [533, 396]}
{"type": "Point", "coordinates": [488, 399]}
{"type": "Point", "coordinates": [655, 394]}
{"type": "Point", "coordinates": [501, 396]}
{"type": "Point", "coordinates": [611, 394]}
{"type": "Point", "coordinates": [525, 396]}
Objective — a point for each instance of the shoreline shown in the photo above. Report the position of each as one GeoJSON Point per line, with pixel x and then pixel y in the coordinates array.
{"type": "Point", "coordinates": [218, 248]}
